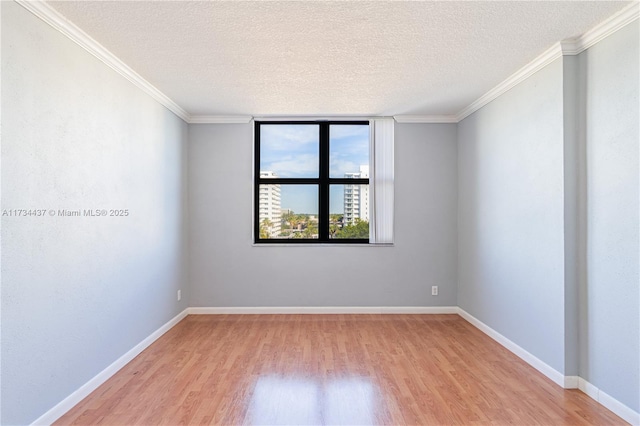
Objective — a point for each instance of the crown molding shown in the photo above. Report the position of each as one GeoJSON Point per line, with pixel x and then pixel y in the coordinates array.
{"type": "Point", "coordinates": [52, 17]}
{"type": "Point", "coordinates": [566, 47]}
{"type": "Point", "coordinates": [219, 119]}
{"type": "Point", "coordinates": [544, 59]}
{"type": "Point", "coordinates": [563, 48]}
{"type": "Point", "coordinates": [425, 118]}
{"type": "Point", "coordinates": [603, 30]}
{"type": "Point", "coordinates": [570, 47]}
{"type": "Point", "coordinates": [315, 117]}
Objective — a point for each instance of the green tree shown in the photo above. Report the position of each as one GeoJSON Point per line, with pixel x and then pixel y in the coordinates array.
{"type": "Point", "coordinates": [294, 221]}
{"type": "Point", "coordinates": [334, 224]}
{"type": "Point", "coordinates": [359, 229]}
{"type": "Point", "coordinates": [286, 218]}
{"type": "Point", "coordinates": [311, 229]}
{"type": "Point", "coordinates": [265, 228]}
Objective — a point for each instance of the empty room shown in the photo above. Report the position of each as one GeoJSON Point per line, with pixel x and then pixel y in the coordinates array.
{"type": "Point", "coordinates": [319, 212]}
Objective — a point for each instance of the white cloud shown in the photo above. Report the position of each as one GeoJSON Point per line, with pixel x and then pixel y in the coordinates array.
{"type": "Point", "coordinates": [305, 165]}
{"type": "Point", "coordinates": [339, 167]}
{"type": "Point", "coordinates": [290, 137]}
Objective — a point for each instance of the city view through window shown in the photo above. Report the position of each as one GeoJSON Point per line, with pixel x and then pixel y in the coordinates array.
{"type": "Point", "coordinates": [291, 210]}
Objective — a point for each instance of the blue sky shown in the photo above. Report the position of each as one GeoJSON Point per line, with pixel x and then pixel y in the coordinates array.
{"type": "Point", "coordinates": [291, 151]}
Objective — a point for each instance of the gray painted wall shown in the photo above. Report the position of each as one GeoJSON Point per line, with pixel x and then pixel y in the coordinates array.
{"type": "Point", "coordinates": [609, 338]}
{"type": "Point", "coordinates": [79, 292]}
{"type": "Point", "coordinates": [511, 207]}
{"type": "Point", "coordinates": [548, 215]}
{"type": "Point", "coordinates": [572, 168]}
{"type": "Point", "coordinates": [226, 270]}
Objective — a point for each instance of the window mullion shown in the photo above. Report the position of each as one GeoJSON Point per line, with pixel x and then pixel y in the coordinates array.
{"type": "Point", "coordinates": [323, 190]}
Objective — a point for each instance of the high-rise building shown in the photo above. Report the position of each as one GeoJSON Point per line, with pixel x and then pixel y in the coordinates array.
{"type": "Point", "coordinates": [269, 205]}
{"type": "Point", "coordinates": [356, 197]}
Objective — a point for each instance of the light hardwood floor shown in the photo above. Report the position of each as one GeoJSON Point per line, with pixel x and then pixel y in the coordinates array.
{"type": "Point", "coordinates": [331, 369]}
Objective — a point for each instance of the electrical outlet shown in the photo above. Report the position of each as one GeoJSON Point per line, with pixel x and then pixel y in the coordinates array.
{"type": "Point", "coordinates": [434, 290]}
{"type": "Point", "coordinates": [179, 295]}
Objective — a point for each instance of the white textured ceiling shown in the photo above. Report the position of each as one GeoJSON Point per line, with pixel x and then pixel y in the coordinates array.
{"type": "Point", "coordinates": [330, 58]}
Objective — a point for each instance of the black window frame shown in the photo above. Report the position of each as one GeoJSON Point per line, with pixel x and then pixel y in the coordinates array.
{"type": "Point", "coordinates": [323, 182]}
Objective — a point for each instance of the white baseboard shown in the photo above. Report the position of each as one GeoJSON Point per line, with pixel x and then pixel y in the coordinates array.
{"type": "Point", "coordinates": [618, 408]}
{"type": "Point", "coordinates": [69, 402]}
{"type": "Point", "coordinates": [571, 382]}
{"type": "Point", "coordinates": [588, 388]}
{"type": "Point", "coordinates": [527, 357]}
{"type": "Point", "coordinates": [325, 310]}
{"type": "Point", "coordinates": [567, 382]}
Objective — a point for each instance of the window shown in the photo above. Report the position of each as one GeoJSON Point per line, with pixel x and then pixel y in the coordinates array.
{"type": "Point", "coordinates": [312, 182]}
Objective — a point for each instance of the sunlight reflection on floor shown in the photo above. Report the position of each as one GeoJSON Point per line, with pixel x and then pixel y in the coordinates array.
{"type": "Point", "coordinates": [304, 401]}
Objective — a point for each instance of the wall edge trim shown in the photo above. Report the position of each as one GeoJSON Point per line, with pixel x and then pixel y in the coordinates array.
{"type": "Point", "coordinates": [574, 46]}
{"type": "Point", "coordinates": [571, 382]}
{"type": "Point", "coordinates": [541, 61]}
{"type": "Point", "coordinates": [609, 402]}
{"type": "Point", "coordinates": [604, 29]}
{"type": "Point", "coordinates": [435, 119]}
{"type": "Point", "coordinates": [283, 310]}
{"type": "Point", "coordinates": [567, 382]}
{"type": "Point", "coordinates": [219, 119]}
{"type": "Point", "coordinates": [56, 20]}
{"type": "Point", "coordinates": [544, 368]}
{"type": "Point", "coordinates": [565, 47]}
{"type": "Point", "coordinates": [83, 391]}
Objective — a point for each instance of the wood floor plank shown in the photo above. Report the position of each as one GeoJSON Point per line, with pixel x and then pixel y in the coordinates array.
{"type": "Point", "coordinates": [331, 369]}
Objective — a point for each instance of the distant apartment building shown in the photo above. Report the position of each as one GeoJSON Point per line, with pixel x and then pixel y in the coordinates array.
{"type": "Point", "coordinates": [356, 197]}
{"type": "Point", "coordinates": [269, 207]}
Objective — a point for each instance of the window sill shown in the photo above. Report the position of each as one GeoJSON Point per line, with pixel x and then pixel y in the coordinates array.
{"type": "Point", "coordinates": [320, 245]}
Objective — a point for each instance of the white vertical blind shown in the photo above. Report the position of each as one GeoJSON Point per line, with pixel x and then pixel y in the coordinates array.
{"type": "Point", "coordinates": [381, 180]}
